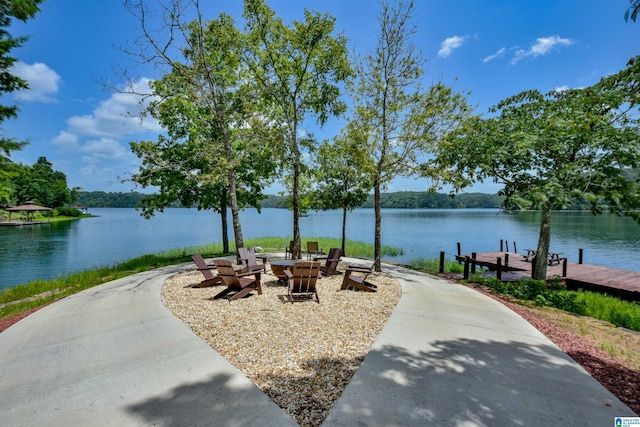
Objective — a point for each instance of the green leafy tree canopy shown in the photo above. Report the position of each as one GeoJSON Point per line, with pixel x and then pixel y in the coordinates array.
{"type": "Point", "coordinates": [22, 10]}
{"type": "Point", "coordinates": [549, 150]}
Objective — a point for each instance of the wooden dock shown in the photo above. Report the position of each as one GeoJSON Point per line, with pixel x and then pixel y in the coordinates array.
{"type": "Point", "coordinates": [621, 283]}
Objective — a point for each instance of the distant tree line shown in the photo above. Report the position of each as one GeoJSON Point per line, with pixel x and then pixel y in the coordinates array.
{"type": "Point", "coordinates": [425, 200]}
{"type": "Point", "coordinates": [396, 200]}
{"type": "Point", "coordinates": [402, 199]}
{"type": "Point", "coordinates": [102, 199]}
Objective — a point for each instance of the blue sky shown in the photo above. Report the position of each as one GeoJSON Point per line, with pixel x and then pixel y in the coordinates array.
{"type": "Point", "coordinates": [494, 49]}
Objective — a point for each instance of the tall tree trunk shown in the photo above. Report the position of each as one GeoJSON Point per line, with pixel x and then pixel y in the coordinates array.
{"type": "Point", "coordinates": [344, 228]}
{"type": "Point", "coordinates": [225, 232]}
{"type": "Point", "coordinates": [544, 240]}
{"type": "Point", "coordinates": [377, 245]}
{"type": "Point", "coordinates": [296, 196]}
{"type": "Point", "coordinates": [233, 195]}
{"type": "Point", "coordinates": [235, 211]}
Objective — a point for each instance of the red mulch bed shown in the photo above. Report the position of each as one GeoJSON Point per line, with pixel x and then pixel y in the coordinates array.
{"type": "Point", "coordinates": [5, 323]}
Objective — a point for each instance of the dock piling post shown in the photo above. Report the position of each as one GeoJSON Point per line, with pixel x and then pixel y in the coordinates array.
{"type": "Point", "coordinates": [465, 275]}
{"type": "Point", "coordinates": [580, 251]}
{"type": "Point", "coordinates": [533, 267]}
{"type": "Point", "coordinates": [473, 264]}
{"type": "Point", "coordinates": [506, 242]}
{"type": "Point", "coordinates": [441, 269]}
{"type": "Point", "coordinates": [499, 269]}
{"type": "Point", "coordinates": [459, 253]}
{"type": "Point", "coordinates": [501, 246]}
{"type": "Point", "coordinates": [564, 267]}
{"type": "Point", "coordinates": [515, 249]}
{"type": "Point", "coordinates": [506, 260]}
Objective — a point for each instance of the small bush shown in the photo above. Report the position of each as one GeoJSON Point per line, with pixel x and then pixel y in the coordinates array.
{"type": "Point", "coordinates": [529, 289]}
{"type": "Point", "coordinates": [566, 300]}
{"type": "Point", "coordinates": [67, 211]}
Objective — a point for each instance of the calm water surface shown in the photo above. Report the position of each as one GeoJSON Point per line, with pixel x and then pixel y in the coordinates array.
{"type": "Point", "coordinates": [116, 235]}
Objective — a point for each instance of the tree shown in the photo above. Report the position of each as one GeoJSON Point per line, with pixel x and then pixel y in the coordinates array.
{"type": "Point", "coordinates": [342, 184]}
{"type": "Point", "coordinates": [22, 10]}
{"type": "Point", "coordinates": [550, 150]}
{"type": "Point", "coordinates": [298, 70]}
{"type": "Point", "coordinates": [632, 11]}
{"type": "Point", "coordinates": [394, 116]}
{"type": "Point", "coordinates": [42, 184]}
{"type": "Point", "coordinates": [212, 129]}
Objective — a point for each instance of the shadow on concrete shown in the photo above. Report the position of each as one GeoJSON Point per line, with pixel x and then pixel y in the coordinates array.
{"type": "Point", "coordinates": [220, 400]}
{"type": "Point", "coordinates": [470, 382]}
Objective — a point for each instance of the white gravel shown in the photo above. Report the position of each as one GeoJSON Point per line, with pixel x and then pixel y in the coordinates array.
{"type": "Point", "coordinates": [303, 354]}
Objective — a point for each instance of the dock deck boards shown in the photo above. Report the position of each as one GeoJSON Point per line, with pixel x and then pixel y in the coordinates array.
{"type": "Point", "coordinates": [624, 283]}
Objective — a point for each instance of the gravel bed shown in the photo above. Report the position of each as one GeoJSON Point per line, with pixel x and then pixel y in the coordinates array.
{"type": "Point", "coordinates": [301, 355]}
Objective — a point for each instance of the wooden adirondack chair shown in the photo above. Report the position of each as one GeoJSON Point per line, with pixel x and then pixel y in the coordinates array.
{"type": "Point", "coordinates": [302, 281]}
{"type": "Point", "coordinates": [356, 278]}
{"type": "Point", "coordinates": [236, 282]}
{"type": "Point", "coordinates": [289, 252]}
{"type": "Point", "coordinates": [249, 260]}
{"type": "Point", "coordinates": [331, 265]}
{"type": "Point", "coordinates": [313, 248]}
{"type": "Point", "coordinates": [210, 279]}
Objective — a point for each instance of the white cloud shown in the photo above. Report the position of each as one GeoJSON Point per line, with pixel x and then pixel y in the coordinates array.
{"type": "Point", "coordinates": [103, 148]}
{"type": "Point", "coordinates": [97, 142]}
{"type": "Point", "coordinates": [542, 46]}
{"type": "Point", "coordinates": [449, 44]}
{"type": "Point", "coordinates": [66, 141]}
{"type": "Point", "coordinates": [117, 116]}
{"type": "Point", "coordinates": [42, 80]}
{"type": "Point", "coordinates": [498, 54]}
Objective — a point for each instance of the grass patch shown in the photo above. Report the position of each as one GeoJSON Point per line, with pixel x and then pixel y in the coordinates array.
{"type": "Point", "coordinates": [432, 265]}
{"type": "Point", "coordinates": [355, 249]}
{"type": "Point", "coordinates": [620, 313]}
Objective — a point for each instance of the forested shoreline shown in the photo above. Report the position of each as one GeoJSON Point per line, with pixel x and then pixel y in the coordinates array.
{"type": "Point", "coordinates": [399, 200]}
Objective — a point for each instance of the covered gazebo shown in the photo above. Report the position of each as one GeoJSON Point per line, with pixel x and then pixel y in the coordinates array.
{"type": "Point", "coordinates": [29, 207]}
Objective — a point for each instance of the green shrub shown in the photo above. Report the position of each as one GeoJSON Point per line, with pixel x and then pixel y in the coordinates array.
{"type": "Point", "coordinates": [566, 300]}
{"type": "Point", "coordinates": [529, 289]}
{"type": "Point", "coordinates": [67, 211]}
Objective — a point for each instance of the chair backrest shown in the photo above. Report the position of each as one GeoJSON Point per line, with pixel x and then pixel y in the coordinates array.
{"type": "Point", "coordinates": [221, 262]}
{"type": "Point", "coordinates": [289, 251]}
{"type": "Point", "coordinates": [333, 258]}
{"type": "Point", "coordinates": [249, 260]}
{"type": "Point", "coordinates": [312, 247]}
{"type": "Point", "coordinates": [227, 273]}
{"type": "Point", "coordinates": [202, 265]}
{"type": "Point", "coordinates": [247, 256]}
{"type": "Point", "coordinates": [304, 276]}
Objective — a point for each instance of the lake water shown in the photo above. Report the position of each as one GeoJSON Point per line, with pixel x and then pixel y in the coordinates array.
{"type": "Point", "coordinates": [50, 250]}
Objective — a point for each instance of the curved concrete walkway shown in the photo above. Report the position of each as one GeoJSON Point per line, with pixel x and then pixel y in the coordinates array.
{"type": "Point", "coordinates": [114, 355]}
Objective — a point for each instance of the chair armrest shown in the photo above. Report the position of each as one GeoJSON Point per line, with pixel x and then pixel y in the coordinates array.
{"type": "Point", "coordinates": [288, 273]}
{"type": "Point", "coordinates": [208, 267]}
{"type": "Point", "coordinates": [316, 258]}
{"type": "Point", "coordinates": [250, 273]}
{"type": "Point", "coordinates": [360, 268]}
{"type": "Point", "coordinates": [264, 258]}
